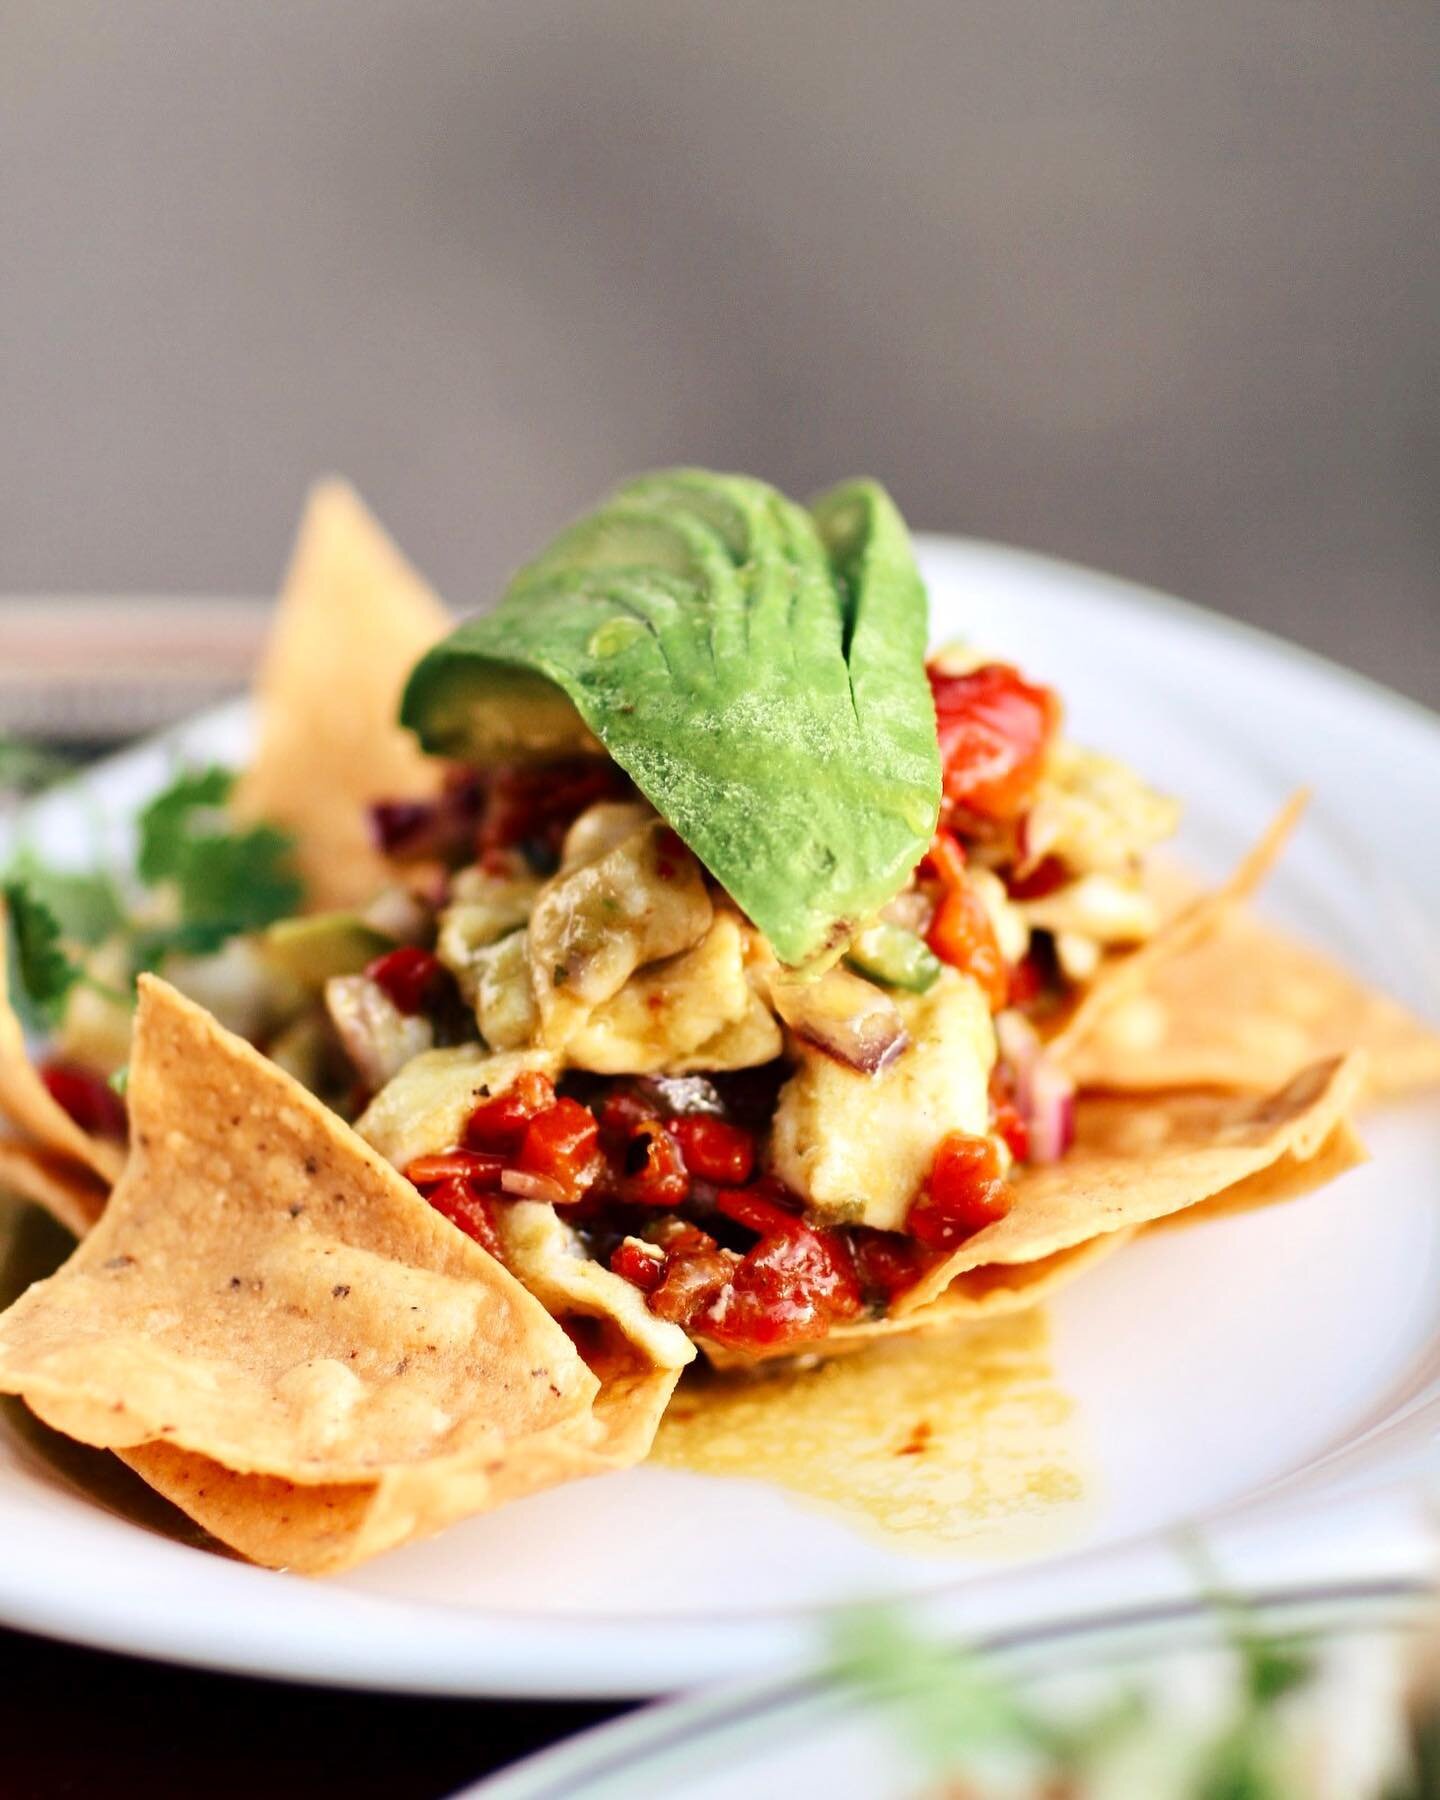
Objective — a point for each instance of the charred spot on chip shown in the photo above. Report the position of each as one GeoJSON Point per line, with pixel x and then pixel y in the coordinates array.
{"type": "Point", "coordinates": [340, 1290]}
{"type": "Point", "coordinates": [119, 1262]}
{"type": "Point", "coordinates": [312, 1165]}
{"type": "Point", "coordinates": [918, 1439]}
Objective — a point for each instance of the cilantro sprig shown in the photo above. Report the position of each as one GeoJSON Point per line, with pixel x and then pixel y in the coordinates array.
{"type": "Point", "coordinates": [202, 881]}
{"type": "Point", "coordinates": [226, 880]}
{"type": "Point", "coordinates": [41, 973]}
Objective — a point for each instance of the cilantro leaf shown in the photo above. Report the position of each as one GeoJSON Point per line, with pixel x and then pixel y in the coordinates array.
{"type": "Point", "coordinates": [226, 880]}
{"type": "Point", "coordinates": [86, 907]}
{"type": "Point", "coordinates": [41, 973]}
{"type": "Point", "coordinates": [167, 823]}
{"type": "Point", "coordinates": [242, 879]}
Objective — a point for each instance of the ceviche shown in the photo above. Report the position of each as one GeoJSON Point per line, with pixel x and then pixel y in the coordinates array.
{"type": "Point", "coordinates": [676, 957]}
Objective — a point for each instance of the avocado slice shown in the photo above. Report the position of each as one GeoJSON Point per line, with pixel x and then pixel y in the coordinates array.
{"type": "Point", "coordinates": [757, 669]}
{"type": "Point", "coordinates": [311, 950]}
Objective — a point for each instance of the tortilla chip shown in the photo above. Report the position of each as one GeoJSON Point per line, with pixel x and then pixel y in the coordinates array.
{"type": "Point", "coordinates": [70, 1195]}
{"type": "Point", "coordinates": [353, 620]}
{"type": "Point", "coordinates": [639, 1355]}
{"type": "Point", "coordinates": [984, 1293]}
{"type": "Point", "coordinates": [264, 1293]}
{"type": "Point", "coordinates": [1287, 1179]}
{"type": "Point", "coordinates": [26, 1102]}
{"type": "Point", "coordinates": [1121, 976]}
{"type": "Point", "coordinates": [1138, 1160]}
{"type": "Point", "coordinates": [1245, 1008]}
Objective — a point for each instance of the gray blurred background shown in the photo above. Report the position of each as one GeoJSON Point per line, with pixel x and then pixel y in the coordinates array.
{"type": "Point", "coordinates": [1152, 284]}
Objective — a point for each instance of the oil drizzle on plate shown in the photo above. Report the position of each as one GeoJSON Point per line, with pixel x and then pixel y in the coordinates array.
{"type": "Point", "coordinates": [953, 1444]}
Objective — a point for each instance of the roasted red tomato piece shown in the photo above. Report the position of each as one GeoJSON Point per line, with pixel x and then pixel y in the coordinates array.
{"type": "Point", "coordinates": [642, 1264]}
{"type": "Point", "coordinates": [693, 1277]}
{"type": "Point", "coordinates": [444, 828]}
{"type": "Point", "coordinates": [88, 1098]}
{"type": "Point", "coordinates": [1007, 1122]}
{"type": "Point", "coordinates": [791, 1287]}
{"type": "Point", "coordinates": [534, 805]}
{"type": "Point", "coordinates": [414, 980]}
{"type": "Point", "coordinates": [456, 1165]}
{"type": "Point", "coordinates": [962, 935]}
{"type": "Point", "coordinates": [563, 1143]}
{"type": "Point", "coordinates": [648, 1169]}
{"type": "Point", "coordinates": [622, 1112]}
{"type": "Point", "coordinates": [886, 1263]}
{"type": "Point", "coordinates": [995, 729]}
{"type": "Point", "coordinates": [462, 1206]}
{"type": "Point", "coordinates": [964, 1192]}
{"type": "Point", "coordinates": [499, 1124]}
{"type": "Point", "coordinates": [715, 1150]}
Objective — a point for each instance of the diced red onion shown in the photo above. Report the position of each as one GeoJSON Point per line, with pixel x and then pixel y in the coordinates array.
{"type": "Point", "coordinates": [845, 1016]}
{"type": "Point", "coordinates": [1044, 1095]}
{"type": "Point", "coordinates": [1051, 1116]}
{"type": "Point", "coordinates": [526, 1186]}
{"type": "Point", "coordinates": [410, 830]}
{"type": "Point", "coordinates": [683, 1095]}
{"type": "Point", "coordinates": [1020, 1051]}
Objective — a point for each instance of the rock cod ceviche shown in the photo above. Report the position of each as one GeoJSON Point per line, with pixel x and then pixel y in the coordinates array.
{"type": "Point", "coordinates": [675, 957]}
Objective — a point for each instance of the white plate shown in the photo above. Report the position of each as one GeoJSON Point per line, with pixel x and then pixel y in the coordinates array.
{"type": "Point", "coordinates": [1233, 1373]}
{"type": "Point", "coordinates": [804, 1736]}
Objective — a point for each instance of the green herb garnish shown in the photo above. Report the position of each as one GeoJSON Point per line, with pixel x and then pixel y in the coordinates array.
{"type": "Point", "coordinates": [226, 880]}
{"type": "Point", "coordinates": [87, 907]}
{"type": "Point", "coordinates": [218, 881]}
{"type": "Point", "coordinates": [41, 973]}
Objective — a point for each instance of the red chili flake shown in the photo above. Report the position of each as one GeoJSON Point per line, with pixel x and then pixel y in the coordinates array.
{"type": "Point", "coordinates": [715, 1150]}
{"type": "Point", "coordinates": [87, 1097]}
{"type": "Point", "coordinates": [669, 853]}
{"type": "Point", "coordinates": [499, 1124]}
{"type": "Point", "coordinates": [472, 1212]}
{"type": "Point", "coordinates": [414, 979]}
{"type": "Point", "coordinates": [964, 1192]}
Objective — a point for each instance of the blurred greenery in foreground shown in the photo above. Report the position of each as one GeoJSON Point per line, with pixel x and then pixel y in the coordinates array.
{"type": "Point", "coordinates": [1276, 1719]}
